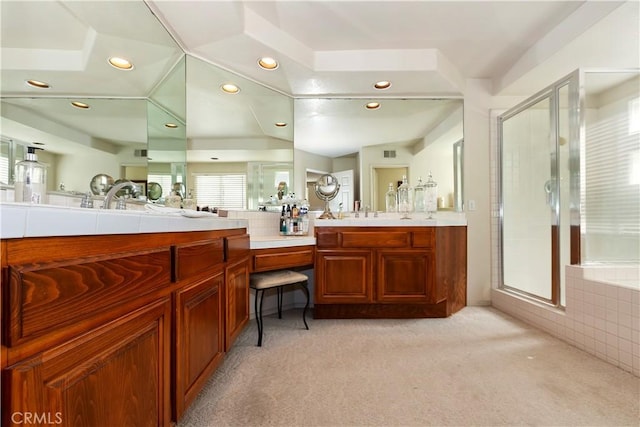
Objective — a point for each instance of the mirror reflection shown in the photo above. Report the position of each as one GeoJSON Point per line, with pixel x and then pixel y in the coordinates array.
{"type": "Point", "coordinates": [403, 137]}
{"type": "Point", "coordinates": [227, 150]}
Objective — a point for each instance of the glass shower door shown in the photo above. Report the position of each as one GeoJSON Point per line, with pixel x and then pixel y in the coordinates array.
{"type": "Point", "coordinates": [528, 199]}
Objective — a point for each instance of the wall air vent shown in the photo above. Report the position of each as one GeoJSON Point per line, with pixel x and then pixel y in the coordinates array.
{"type": "Point", "coordinates": [140, 153]}
{"type": "Point", "coordinates": [389, 154]}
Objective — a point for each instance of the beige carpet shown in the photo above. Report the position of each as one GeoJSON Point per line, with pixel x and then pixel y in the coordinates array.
{"type": "Point", "coordinates": [479, 367]}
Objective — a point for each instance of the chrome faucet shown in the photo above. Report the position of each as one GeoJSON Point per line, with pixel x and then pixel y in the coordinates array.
{"type": "Point", "coordinates": [112, 193]}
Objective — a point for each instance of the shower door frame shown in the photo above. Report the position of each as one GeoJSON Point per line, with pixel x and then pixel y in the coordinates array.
{"type": "Point", "coordinates": [572, 82]}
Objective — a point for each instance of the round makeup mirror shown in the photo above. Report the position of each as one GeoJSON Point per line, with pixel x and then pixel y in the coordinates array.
{"type": "Point", "coordinates": [327, 188]}
{"type": "Point", "coordinates": [101, 184]}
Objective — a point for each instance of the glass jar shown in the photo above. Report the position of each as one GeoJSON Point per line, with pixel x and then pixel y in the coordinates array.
{"type": "Point", "coordinates": [431, 196]}
{"type": "Point", "coordinates": [391, 201]}
{"type": "Point", "coordinates": [419, 203]}
{"type": "Point", "coordinates": [405, 198]}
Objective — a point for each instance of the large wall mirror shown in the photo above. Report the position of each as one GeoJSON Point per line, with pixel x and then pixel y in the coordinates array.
{"type": "Point", "coordinates": [237, 141]}
{"type": "Point", "coordinates": [412, 137]}
{"type": "Point", "coordinates": [169, 121]}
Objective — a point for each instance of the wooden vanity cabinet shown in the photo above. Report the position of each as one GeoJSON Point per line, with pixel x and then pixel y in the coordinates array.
{"type": "Point", "coordinates": [114, 330]}
{"type": "Point", "coordinates": [389, 272]}
{"type": "Point", "coordinates": [199, 317]}
{"type": "Point", "coordinates": [343, 276]}
{"type": "Point", "coordinates": [269, 259]}
{"type": "Point", "coordinates": [237, 287]}
{"type": "Point", "coordinates": [117, 374]}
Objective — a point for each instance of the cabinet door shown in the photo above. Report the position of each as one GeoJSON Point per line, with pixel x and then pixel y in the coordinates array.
{"type": "Point", "coordinates": [114, 375]}
{"type": "Point", "coordinates": [343, 277]}
{"type": "Point", "coordinates": [237, 300]}
{"type": "Point", "coordinates": [199, 345]}
{"type": "Point", "coordinates": [406, 276]}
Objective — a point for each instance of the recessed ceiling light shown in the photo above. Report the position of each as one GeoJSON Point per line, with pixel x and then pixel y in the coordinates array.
{"type": "Point", "coordinates": [383, 84]}
{"type": "Point", "coordinates": [82, 105]}
{"type": "Point", "coordinates": [372, 105]}
{"type": "Point", "coordinates": [38, 84]}
{"type": "Point", "coordinates": [38, 143]}
{"type": "Point", "coordinates": [281, 124]}
{"type": "Point", "coordinates": [214, 158]}
{"type": "Point", "coordinates": [268, 63]}
{"type": "Point", "coordinates": [230, 88]}
{"type": "Point", "coordinates": [120, 63]}
{"type": "Point", "coordinates": [171, 125]}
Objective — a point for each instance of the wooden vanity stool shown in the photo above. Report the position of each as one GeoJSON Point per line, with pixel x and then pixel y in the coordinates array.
{"type": "Point", "coordinates": [277, 279]}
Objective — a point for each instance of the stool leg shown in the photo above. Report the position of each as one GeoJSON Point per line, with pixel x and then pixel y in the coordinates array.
{"type": "Point", "coordinates": [279, 289]}
{"type": "Point", "coordinates": [306, 306]}
{"type": "Point", "coordinates": [259, 315]}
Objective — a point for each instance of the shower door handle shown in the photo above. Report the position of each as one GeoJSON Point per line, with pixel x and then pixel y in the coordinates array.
{"type": "Point", "coordinates": [550, 190]}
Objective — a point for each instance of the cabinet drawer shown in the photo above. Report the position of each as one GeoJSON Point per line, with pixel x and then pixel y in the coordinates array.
{"type": "Point", "coordinates": [326, 239]}
{"type": "Point", "coordinates": [275, 259]}
{"type": "Point", "coordinates": [375, 239]}
{"type": "Point", "coordinates": [45, 297]}
{"type": "Point", "coordinates": [237, 247]}
{"type": "Point", "coordinates": [195, 258]}
{"type": "Point", "coordinates": [425, 238]}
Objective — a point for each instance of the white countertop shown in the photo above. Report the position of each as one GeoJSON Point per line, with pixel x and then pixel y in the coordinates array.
{"type": "Point", "coordinates": [441, 219]}
{"type": "Point", "coordinates": [25, 220]}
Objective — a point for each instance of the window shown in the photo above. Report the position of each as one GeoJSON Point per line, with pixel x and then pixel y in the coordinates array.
{"type": "Point", "coordinates": [227, 191]}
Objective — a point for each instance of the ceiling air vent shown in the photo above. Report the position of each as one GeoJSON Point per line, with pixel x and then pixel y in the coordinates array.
{"type": "Point", "coordinates": [389, 154]}
{"type": "Point", "coordinates": [140, 153]}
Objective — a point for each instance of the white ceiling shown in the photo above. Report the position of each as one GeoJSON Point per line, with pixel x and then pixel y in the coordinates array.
{"type": "Point", "coordinates": [325, 49]}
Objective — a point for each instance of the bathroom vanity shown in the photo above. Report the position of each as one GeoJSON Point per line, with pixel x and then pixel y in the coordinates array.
{"type": "Point", "coordinates": [104, 325]}
{"type": "Point", "coordinates": [390, 268]}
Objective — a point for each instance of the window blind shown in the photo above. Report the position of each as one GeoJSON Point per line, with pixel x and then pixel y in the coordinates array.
{"type": "Point", "coordinates": [611, 193]}
{"type": "Point", "coordinates": [227, 191]}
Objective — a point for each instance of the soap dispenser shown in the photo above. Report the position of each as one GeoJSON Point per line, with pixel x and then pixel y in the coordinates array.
{"type": "Point", "coordinates": [31, 179]}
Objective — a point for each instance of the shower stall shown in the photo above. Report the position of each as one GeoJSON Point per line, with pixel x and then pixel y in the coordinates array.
{"type": "Point", "coordinates": [568, 196]}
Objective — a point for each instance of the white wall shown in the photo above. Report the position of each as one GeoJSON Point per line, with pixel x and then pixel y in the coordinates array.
{"type": "Point", "coordinates": [77, 170]}
{"type": "Point", "coordinates": [477, 174]}
{"type": "Point", "coordinates": [304, 160]}
{"type": "Point", "coordinates": [371, 157]}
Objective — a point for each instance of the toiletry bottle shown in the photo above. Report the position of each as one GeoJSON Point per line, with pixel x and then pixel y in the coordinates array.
{"type": "Point", "coordinates": [31, 179]}
{"type": "Point", "coordinates": [283, 220]}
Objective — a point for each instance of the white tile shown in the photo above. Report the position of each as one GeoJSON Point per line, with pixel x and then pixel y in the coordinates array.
{"type": "Point", "coordinates": [625, 320]}
{"type": "Point", "coordinates": [65, 221]}
{"type": "Point", "coordinates": [600, 336]}
{"type": "Point", "coordinates": [13, 220]}
{"type": "Point", "coordinates": [624, 294]}
{"type": "Point", "coordinates": [108, 223]}
{"type": "Point", "coordinates": [625, 345]}
{"type": "Point", "coordinates": [624, 307]}
{"type": "Point", "coordinates": [625, 333]}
